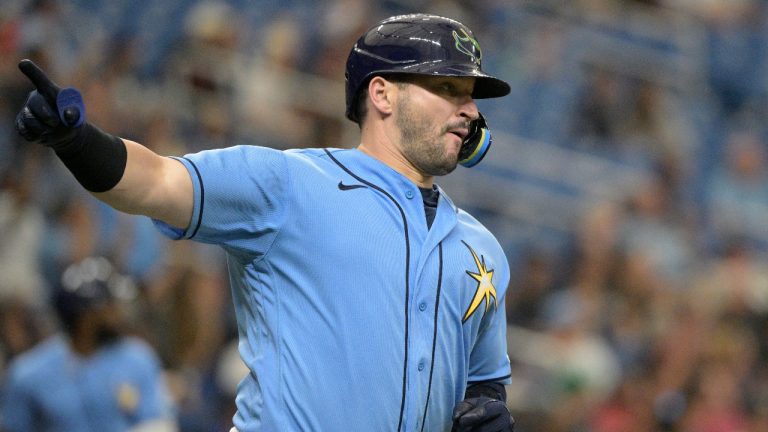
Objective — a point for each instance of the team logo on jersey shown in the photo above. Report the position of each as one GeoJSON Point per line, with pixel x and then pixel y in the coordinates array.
{"type": "Point", "coordinates": [473, 50]}
{"type": "Point", "coordinates": [127, 398]}
{"type": "Point", "coordinates": [485, 289]}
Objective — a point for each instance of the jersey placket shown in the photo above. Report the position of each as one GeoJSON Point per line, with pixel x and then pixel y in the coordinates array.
{"type": "Point", "coordinates": [426, 275]}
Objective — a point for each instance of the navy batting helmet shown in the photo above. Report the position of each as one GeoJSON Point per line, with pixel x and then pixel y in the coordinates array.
{"type": "Point", "coordinates": [90, 284]}
{"type": "Point", "coordinates": [418, 44]}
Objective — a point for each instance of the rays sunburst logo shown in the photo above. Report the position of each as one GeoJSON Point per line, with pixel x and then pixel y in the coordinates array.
{"type": "Point", "coordinates": [485, 289]}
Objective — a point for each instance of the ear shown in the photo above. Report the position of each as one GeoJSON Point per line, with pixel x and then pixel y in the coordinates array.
{"type": "Point", "coordinates": [381, 95]}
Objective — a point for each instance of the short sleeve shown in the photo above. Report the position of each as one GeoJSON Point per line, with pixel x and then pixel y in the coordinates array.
{"type": "Point", "coordinates": [239, 199]}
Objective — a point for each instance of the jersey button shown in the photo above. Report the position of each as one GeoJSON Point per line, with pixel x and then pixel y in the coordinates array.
{"type": "Point", "coordinates": [421, 366]}
{"type": "Point", "coordinates": [409, 194]}
{"type": "Point", "coordinates": [422, 306]}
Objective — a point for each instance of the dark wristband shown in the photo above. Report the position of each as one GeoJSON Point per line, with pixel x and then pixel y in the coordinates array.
{"type": "Point", "coordinates": [493, 390]}
{"type": "Point", "coordinates": [96, 158]}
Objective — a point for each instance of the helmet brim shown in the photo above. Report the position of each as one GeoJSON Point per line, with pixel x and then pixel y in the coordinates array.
{"type": "Point", "coordinates": [487, 87]}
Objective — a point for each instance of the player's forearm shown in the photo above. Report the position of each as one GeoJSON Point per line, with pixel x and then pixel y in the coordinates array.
{"type": "Point", "coordinates": [151, 185]}
{"type": "Point", "coordinates": [128, 176]}
{"type": "Point", "coordinates": [124, 174]}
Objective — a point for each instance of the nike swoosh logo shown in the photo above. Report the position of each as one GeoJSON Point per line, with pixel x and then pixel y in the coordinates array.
{"type": "Point", "coordinates": [344, 187]}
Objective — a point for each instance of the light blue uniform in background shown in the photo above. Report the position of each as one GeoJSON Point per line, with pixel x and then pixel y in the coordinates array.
{"type": "Point", "coordinates": [51, 389]}
{"type": "Point", "coordinates": [353, 315]}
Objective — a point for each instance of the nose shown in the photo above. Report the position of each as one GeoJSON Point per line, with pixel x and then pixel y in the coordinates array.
{"type": "Point", "coordinates": [468, 109]}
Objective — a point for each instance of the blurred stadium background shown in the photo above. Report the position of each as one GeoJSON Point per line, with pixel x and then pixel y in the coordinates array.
{"type": "Point", "coordinates": [628, 183]}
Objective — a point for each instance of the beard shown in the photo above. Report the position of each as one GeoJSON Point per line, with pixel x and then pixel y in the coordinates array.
{"type": "Point", "coordinates": [107, 334]}
{"type": "Point", "coordinates": [421, 145]}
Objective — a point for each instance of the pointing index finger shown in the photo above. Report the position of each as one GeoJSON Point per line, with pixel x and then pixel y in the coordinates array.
{"type": "Point", "coordinates": [44, 85]}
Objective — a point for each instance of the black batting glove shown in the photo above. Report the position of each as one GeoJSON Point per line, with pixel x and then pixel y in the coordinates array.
{"type": "Point", "coordinates": [482, 414]}
{"type": "Point", "coordinates": [51, 115]}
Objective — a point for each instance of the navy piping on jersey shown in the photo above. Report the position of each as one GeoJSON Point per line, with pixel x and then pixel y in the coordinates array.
{"type": "Point", "coordinates": [202, 198]}
{"type": "Point", "coordinates": [434, 332]}
{"type": "Point", "coordinates": [407, 271]}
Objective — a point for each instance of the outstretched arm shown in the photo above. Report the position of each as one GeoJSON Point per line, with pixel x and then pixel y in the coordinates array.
{"type": "Point", "coordinates": [122, 173]}
{"type": "Point", "coordinates": [152, 185]}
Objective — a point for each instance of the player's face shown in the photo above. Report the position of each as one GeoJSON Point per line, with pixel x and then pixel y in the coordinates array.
{"type": "Point", "coordinates": [107, 321]}
{"type": "Point", "coordinates": [433, 115]}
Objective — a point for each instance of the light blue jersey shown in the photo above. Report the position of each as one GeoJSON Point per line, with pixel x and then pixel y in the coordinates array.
{"type": "Point", "coordinates": [353, 315]}
{"type": "Point", "coordinates": [50, 389]}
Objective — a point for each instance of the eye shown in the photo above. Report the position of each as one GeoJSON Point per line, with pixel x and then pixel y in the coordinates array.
{"type": "Point", "coordinates": [448, 88]}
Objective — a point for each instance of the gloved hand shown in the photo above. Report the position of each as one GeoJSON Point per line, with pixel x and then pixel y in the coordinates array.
{"type": "Point", "coordinates": [51, 115]}
{"type": "Point", "coordinates": [482, 414]}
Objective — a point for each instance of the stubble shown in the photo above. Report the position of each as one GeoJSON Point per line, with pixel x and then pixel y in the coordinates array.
{"type": "Point", "coordinates": [422, 146]}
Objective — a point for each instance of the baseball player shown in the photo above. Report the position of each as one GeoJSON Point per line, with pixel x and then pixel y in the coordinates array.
{"type": "Point", "coordinates": [89, 378]}
{"type": "Point", "coordinates": [366, 300]}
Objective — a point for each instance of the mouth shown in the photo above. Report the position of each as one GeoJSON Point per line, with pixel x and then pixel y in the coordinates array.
{"type": "Point", "coordinates": [461, 133]}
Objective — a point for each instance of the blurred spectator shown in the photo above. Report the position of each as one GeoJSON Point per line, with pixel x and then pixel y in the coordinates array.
{"type": "Point", "coordinates": [653, 229]}
{"type": "Point", "coordinates": [268, 96]}
{"type": "Point", "coordinates": [734, 33]}
{"type": "Point", "coordinates": [582, 371]}
{"type": "Point", "coordinates": [545, 81]}
{"type": "Point", "coordinates": [734, 284]}
{"type": "Point", "coordinates": [598, 110]}
{"type": "Point", "coordinates": [22, 231]}
{"type": "Point", "coordinates": [22, 326]}
{"type": "Point", "coordinates": [655, 125]}
{"type": "Point", "coordinates": [185, 317]}
{"type": "Point", "coordinates": [717, 405]}
{"type": "Point", "coordinates": [628, 410]}
{"type": "Point", "coordinates": [526, 296]}
{"type": "Point", "coordinates": [70, 236]}
{"type": "Point", "coordinates": [202, 74]}
{"type": "Point", "coordinates": [738, 191]}
{"type": "Point", "coordinates": [340, 23]}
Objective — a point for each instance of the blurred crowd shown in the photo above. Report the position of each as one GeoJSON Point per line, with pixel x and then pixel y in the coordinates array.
{"type": "Point", "coordinates": [649, 312]}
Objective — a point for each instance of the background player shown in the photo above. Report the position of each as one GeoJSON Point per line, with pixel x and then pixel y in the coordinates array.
{"type": "Point", "coordinates": [359, 305]}
{"type": "Point", "coordinates": [90, 377]}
